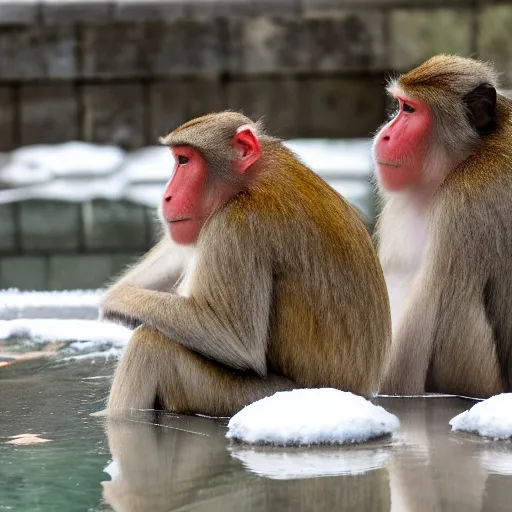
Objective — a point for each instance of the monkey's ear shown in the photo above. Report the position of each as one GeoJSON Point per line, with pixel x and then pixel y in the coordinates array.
{"type": "Point", "coordinates": [481, 104]}
{"type": "Point", "coordinates": [247, 147]}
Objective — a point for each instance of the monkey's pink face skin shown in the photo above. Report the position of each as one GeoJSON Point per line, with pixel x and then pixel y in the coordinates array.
{"type": "Point", "coordinates": [193, 194]}
{"type": "Point", "coordinates": [185, 203]}
{"type": "Point", "coordinates": [400, 146]}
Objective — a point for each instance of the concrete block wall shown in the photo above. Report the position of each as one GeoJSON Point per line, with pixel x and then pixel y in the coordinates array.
{"type": "Point", "coordinates": [48, 244]}
{"type": "Point", "coordinates": [126, 71]}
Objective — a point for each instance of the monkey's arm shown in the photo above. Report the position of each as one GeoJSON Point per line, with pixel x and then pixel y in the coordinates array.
{"type": "Point", "coordinates": [159, 269]}
{"type": "Point", "coordinates": [226, 317]}
{"type": "Point", "coordinates": [199, 325]}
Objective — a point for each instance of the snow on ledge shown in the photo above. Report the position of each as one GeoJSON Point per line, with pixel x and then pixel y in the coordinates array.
{"type": "Point", "coordinates": [89, 333]}
{"type": "Point", "coordinates": [311, 416]}
{"type": "Point", "coordinates": [490, 418]}
{"type": "Point", "coordinates": [15, 304]}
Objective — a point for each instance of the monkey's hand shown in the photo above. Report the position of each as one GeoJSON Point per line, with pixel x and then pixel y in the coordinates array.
{"type": "Point", "coordinates": [115, 306]}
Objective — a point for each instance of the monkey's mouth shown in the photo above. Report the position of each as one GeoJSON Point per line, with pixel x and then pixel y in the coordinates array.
{"type": "Point", "coordinates": [389, 164]}
{"type": "Point", "coordinates": [174, 221]}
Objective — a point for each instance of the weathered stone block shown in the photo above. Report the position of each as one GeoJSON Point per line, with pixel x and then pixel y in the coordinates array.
{"type": "Point", "coordinates": [24, 272]}
{"type": "Point", "coordinates": [84, 272]}
{"type": "Point", "coordinates": [49, 226]}
{"type": "Point", "coordinates": [332, 7]}
{"type": "Point", "coordinates": [237, 8]}
{"type": "Point", "coordinates": [114, 50]}
{"type": "Point", "coordinates": [341, 107]}
{"type": "Point", "coordinates": [49, 114]}
{"type": "Point", "coordinates": [277, 101]}
{"type": "Point", "coordinates": [16, 12]}
{"type": "Point", "coordinates": [20, 53]}
{"type": "Point", "coordinates": [168, 107]}
{"type": "Point", "coordinates": [495, 26]}
{"type": "Point", "coordinates": [115, 114]}
{"type": "Point", "coordinates": [59, 51]}
{"type": "Point", "coordinates": [349, 41]}
{"type": "Point", "coordinates": [417, 35]}
{"type": "Point", "coordinates": [8, 137]}
{"type": "Point", "coordinates": [204, 96]}
{"type": "Point", "coordinates": [75, 11]}
{"type": "Point", "coordinates": [36, 52]}
{"type": "Point", "coordinates": [114, 225]}
{"type": "Point", "coordinates": [175, 102]}
{"type": "Point", "coordinates": [188, 46]}
{"type": "Point", "coordinates": [267, 45]}
{"type": "Point", "coordinates": [149, 10]}
{"type": "Point", "coordinates": [8, 228]}
{"type": "Point", "coordinates": [121, 262]}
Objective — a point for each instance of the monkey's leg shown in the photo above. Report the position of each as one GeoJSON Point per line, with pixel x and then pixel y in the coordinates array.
{"type": "Point", "coordinates": [156, 372]}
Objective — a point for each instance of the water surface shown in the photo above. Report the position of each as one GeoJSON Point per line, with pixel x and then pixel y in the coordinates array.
{"type": "Point", "coordinates": [170, 462]}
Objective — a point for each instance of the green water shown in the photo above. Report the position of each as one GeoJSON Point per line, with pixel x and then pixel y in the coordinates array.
{"type": "Point", "coordinates": [171, 462]}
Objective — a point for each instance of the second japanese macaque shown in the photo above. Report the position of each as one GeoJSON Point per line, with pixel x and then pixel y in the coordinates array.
{"type": "Point", "coordinates": [265, 280]}
{"type": "Point", "coordinates": [444, 167]}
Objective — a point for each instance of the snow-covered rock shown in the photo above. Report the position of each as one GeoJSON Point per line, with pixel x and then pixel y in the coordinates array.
{"type": "Point", "coordinates": [489, 418]}
{"type": "Point", "coordinates": [311, 416]}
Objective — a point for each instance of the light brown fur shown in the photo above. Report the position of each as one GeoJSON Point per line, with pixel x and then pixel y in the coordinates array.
{"type": "Point", "coordinates": [456, 330]}
{"type": "Point", "coordinates": [287, 292]}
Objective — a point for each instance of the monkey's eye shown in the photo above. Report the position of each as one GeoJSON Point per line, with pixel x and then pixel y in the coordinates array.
{"type": "Point", "coordinates": [182, 160]}
{"type": "Point", "coordinates": [407, 108]}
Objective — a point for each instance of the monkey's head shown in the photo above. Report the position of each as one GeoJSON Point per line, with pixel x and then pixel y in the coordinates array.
{"type": "Point", "coordinates": [444, 108]}
{"type": "Point", "coordinates": [214, 160]}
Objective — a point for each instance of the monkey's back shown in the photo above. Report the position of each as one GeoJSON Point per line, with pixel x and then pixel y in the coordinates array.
{"type": "Point", "coordinates": [330, 323]}
{"type": "Point", "coordinates": [474, 224]}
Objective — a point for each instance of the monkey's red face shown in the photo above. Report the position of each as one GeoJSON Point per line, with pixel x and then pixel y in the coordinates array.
{"type": "Point", "coordinates": [400, 147]}
{"type": "Point", "coordinates": [189, 197]}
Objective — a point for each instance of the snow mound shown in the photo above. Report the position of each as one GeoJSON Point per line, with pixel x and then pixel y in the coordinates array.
{"type": "Point", "coordinates": [311, 416]}
{"type": "Point", "coordinates": [490, 418]}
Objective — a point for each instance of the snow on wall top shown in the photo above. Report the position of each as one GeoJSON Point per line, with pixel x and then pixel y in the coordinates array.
{"type": "Point", "coordinates": [78, 171]}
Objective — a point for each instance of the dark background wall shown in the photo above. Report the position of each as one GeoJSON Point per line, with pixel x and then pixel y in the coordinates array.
{"type": "Point", "coordinates": [125, 72]}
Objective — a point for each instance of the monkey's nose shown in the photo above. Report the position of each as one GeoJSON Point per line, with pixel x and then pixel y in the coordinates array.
{"type": "Point", "coordinates": [168, 198]}
{"type": "Point", "coordinates": [386, 137]}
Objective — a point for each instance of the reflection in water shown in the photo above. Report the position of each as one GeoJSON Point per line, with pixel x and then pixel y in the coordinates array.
{"type": "Point", "coordinates": [159, 469]}
{"type": "Point", "coordinates": [498, 459]}
{"type": "Point", "coordinates": [289, 463]}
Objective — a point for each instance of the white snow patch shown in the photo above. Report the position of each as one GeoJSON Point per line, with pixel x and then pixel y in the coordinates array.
{"type": "Point", "coordinates": [85, 331]}
{"type": "Point", "coordinates": [15, 304]}
{"type": "Point", "coordinates": [311, 416]}
{"type": "Point", "coordinates": [68, 159]}
{"type": "Point", "coordinates": [149, 164]}
{"type": "Point", "coordinates": [285, 464]}
{"type": "Point", "coordinates": [113, 470]}
{"type": "Point", "coordinates": [79, 171]}
{"type": "Point", "coordinates": [330, 157]}
{"type": "Point", "coordinates": [490, 418]}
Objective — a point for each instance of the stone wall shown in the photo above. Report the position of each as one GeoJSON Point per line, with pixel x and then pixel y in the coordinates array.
{"type": "Point", "coordinates": [55, 245]}
{"type": "Point", "coordinates": [127, 71]}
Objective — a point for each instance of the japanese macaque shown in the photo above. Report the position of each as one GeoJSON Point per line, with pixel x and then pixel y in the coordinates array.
{"type": "Point", "coordinates": [444, 168]}
{"type": "Point", "coordinates": [265, 280]}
